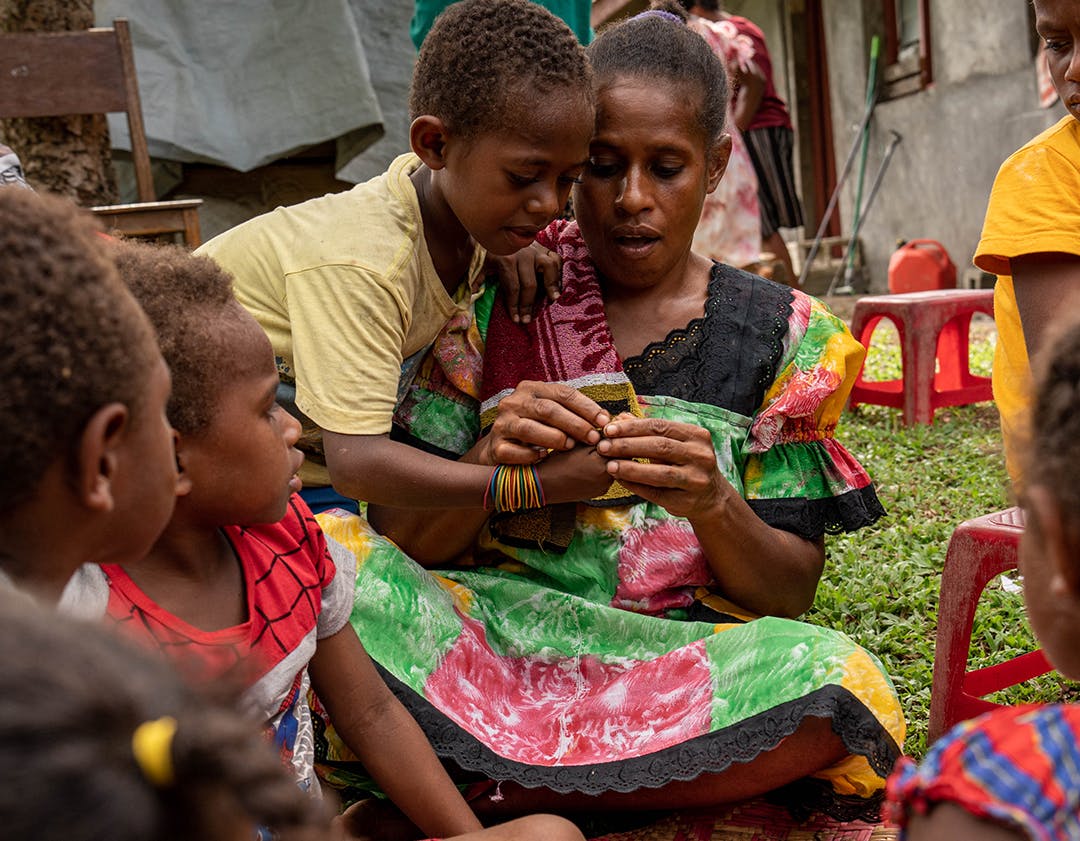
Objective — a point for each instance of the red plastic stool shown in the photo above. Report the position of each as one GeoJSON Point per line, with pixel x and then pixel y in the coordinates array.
{"type": "Point", "coordinates": [933, 328]}
{"type": "Point", "coordinates": [978, 550]}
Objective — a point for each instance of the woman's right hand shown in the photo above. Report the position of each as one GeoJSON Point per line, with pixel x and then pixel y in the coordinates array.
{"type": "Point", "coordinates": [538, 421]}
{"type": "Point", "coordinates": [539, 417]}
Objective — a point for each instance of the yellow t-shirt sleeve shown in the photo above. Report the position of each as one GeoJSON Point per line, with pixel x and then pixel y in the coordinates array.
{"type": "Point", "coordinates": [1034, 208]}
{"type": "Point", "coordinates": [348, 330]}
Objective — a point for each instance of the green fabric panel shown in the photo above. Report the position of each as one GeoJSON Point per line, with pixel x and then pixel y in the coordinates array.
{"type": "Point", "coordinates": [729, 432]}
{"type": "Point", "coordinates": [444, 423]}
{"type": "Point", "coordinates": [574, 13]}
{"type": "Point", "coordinates": [482, 308]}
{"type": "Point", "coordinates": [822, 326]}
{"type": "Point", "coordinates": [768, 662]}
{"type": "Point", "coordinates": [403, 616]}
{"type": "Point", "coordinates": [589, 568]}
{"type": "Point", "coordinates": [526, 619]}
{"type": "Point", "coordinates": [790, 471]}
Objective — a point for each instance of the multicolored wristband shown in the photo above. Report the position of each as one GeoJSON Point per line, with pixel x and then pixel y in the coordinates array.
{"type": "Point", "coordinates": [514, 487]}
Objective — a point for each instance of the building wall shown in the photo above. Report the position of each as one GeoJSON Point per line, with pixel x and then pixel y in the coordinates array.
{"type": "Point", "coordinates": [981, 106]}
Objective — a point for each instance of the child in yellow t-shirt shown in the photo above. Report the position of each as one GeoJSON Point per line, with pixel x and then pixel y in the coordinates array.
{"type": "Point", "coordinates": [1031, 236]}
{"type": "Point", "coordinates": [352, 285]}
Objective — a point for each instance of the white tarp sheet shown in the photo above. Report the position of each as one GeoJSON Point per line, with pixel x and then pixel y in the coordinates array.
{"type": "Point", "coordinates": [242, 82]}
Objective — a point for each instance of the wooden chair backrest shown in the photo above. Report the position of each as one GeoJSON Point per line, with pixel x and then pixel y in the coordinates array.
{"type": "Point", "coordinates": [54, 74]}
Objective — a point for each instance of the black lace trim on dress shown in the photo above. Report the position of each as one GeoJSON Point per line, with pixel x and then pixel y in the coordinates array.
{"type": "Point", "coordinates": [729, 357]}
{"type": "Point", "coordinates": [812, 518]}
{"type": "Point", "coordinates": [714, 752]}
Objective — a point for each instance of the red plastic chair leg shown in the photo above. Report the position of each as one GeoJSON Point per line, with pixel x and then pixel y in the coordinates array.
{"type": "Point", "coordinates": [979, 550]}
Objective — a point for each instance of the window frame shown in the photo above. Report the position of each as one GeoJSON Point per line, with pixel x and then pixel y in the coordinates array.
{"type": "Point", "coordinates": [913, 73]}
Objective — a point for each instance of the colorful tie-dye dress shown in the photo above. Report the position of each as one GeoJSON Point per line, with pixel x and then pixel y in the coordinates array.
{"type": "Point", "coordinates": [614, 664]}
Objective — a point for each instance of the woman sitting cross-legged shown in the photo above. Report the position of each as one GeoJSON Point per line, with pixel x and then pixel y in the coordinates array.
{"type": "Point", "coordinates": [610, 628]}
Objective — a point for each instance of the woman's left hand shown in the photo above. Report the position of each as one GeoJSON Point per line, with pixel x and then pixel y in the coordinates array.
{"type": "Point", "coordinates": [766, 570]}
{"type": "Point", "coordinates": [681, 473]}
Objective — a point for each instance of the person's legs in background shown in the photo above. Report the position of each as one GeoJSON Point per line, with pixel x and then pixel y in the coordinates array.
{"type": "Point", "coordinates": [771, 152]}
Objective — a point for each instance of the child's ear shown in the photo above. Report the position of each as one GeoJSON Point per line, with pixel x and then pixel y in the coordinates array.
{"type": "Point", "coordinates": [1060, 540]}
{"type": "Point", "coordinates": [97, 458]}
{"type": "Point", "coordinates": [718, 156]}
{"type": "Point", "coordinates": [183, 478]}
{"type": "Point", "coordinates": [428, 135]}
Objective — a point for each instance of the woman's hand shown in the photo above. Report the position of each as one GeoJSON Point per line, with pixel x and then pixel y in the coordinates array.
{"type": "Point", "coordinates": [681, 474]}
{"type": "Point", "coordinates": [522, 274]}
{"type": "Point", "coordinates": [537, 417]}
{"type": "Point", "coordinates": [764, 569]}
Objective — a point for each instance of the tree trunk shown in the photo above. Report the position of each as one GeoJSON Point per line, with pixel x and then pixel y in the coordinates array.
{"type": "Point", "coordinates": [66, 155]}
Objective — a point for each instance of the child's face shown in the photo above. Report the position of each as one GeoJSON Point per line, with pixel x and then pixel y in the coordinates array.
{"type": "Point", "coordinates": [1048, 596]}
{"type": "Point", "coordinates": [504, 186]}
{"type": "Point", "coordinates": [145, 484]}
{"type": "Point", "coordinates": [649, 171]}
{"type": "Point", "coordinates": [1058, 24]}
{"type": "Point", "coordinates": [242, 467]}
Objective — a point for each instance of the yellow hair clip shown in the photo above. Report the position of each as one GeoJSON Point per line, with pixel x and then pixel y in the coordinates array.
{"type": "Point", "coordinates": [151, 743]}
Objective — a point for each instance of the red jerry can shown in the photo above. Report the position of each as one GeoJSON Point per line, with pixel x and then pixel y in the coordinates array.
{"type": "Point", "coordinates": [921, 265]}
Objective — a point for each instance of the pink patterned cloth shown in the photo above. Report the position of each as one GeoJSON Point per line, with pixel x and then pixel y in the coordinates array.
{"type": "Point", "coordinates": [730, 226]}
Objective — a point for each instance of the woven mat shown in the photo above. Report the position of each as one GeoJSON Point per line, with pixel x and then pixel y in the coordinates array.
{"type": "Point", "coordinates": [753, 821]}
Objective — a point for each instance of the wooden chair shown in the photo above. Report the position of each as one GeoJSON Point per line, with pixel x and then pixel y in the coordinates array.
{"type": "Point", "coordinates": [53, 74]}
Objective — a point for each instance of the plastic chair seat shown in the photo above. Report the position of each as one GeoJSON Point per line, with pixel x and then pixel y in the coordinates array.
{"type": "Point", "coordinates": [979, 550]}
{"type": "Point", "coordinates": [935, 368]}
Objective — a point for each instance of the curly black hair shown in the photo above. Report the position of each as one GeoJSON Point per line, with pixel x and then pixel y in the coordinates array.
{"type": "Point", "coordinates": [191, 304]}
{"type": "Point", "coordinates": [72, 338]}
{"type": "Point", "coordinates": [76, 695]}
{"type": "Point", "coordinates": [656, 47]}
{"type": "Point", "coordinates": [1053, 446]}
{"type": "Point", "coordinates": [482, 56]}
{"type": "Point", "coordinates": [707, 5]}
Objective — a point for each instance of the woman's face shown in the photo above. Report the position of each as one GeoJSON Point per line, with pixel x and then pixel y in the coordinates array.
{"type": "Point", "coordinates": [649, 171]}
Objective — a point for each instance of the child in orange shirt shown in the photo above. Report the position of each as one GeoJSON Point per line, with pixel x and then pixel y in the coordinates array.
{"type": "Point", "coordinates": [1031, 236]}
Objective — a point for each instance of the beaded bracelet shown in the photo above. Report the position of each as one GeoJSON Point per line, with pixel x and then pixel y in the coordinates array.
{"type": "Point", "coordinates": [514, 487]}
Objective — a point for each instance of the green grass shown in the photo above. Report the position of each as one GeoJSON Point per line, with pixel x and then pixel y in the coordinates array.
{"type": "Point", "coordinates": [881, 583]}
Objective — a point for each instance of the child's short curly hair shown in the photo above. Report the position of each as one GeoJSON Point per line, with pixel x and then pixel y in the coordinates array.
{"type": "Point", "coordinates": [656, 47]}
{"type": "Point", "coordinates": [1053, 448]}
{"type": "Point", "coordinates": [67, 724]}
{"type": "Point", "coordinates": [707, 5]}
{"type": "Point", "coordinates": [481, 56]}
{"type": "Point", "coordinates": [72, 339]}
{"type": "Point", "coordinates": [187, 298]}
